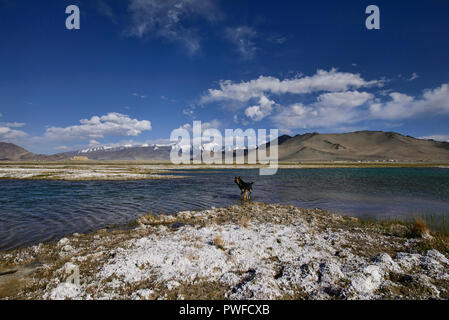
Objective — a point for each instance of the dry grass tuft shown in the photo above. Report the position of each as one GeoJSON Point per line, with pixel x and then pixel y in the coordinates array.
{"type": "Point", "coordinates": [244, 222]}
{"type": "Point", "coordinates": [218, 242]}
{"type": "Point", "coordinates": [419, 229]}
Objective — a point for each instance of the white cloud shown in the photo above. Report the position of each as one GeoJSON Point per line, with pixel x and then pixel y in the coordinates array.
{"type": "Point", "coordinates": [189, 111]}
{"type": "Point", "coordinates": [437, 137]}
{"type": "Point", "coordinates": [94, 143]}
{"type": "Point", "coordinates": [138, 95]}
{"type": "Point", "coordinates": [169, 19]}
{"type": "Point", "coordinates": [323, 80]}
{"type": "Point", "coordinates": [349, 107]}
{"type": "Point", "coordinates": [413, 76]}
{"type": "Point", "coordinates": [346, 99]}
{"type": "Point", "coordinates": [402, 106]}
{"type": "Point", "coordinates": [213, 124]}
{"type": "Point", "coordinates": [11, 135]}
{"type": "Point", "coordinates": [335, 85]}
{"type": "Point", "coordinates": [111, 124]}
{"type": "Point", "coordinates": [330, 110]}
{"type": "Point", "coordinates": [243, 39]}
{"type": "Point", "coordinates": [13, 124]}
{"type": "Point", "coordinates": [339, 100]}
{"type": "Point", "coordinates": [260, 111]}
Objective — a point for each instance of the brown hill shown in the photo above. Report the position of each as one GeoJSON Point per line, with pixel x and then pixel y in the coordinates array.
{"type": "Point", "coordinates": [12, 152]}
{"type": "Point", "coordinates": [361, 145]}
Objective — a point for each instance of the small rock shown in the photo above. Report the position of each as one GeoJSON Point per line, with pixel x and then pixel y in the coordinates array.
{"type": "Point", "coordinates": [437, 256]}
{"type": "Point", "coordinates": [67, 248]}
{"type": "Point", "coordinates": [63, 242]}
{"type": "Point", "coordinates": [386, 262]}
{"type": "Point", "coordinates": [366, 283]}
{"type": "Point", "coordinates": [64, 291]}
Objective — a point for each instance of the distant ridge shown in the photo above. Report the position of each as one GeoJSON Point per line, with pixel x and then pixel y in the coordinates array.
{"type": "Point", "coordinates": [352, 146]}
{"type": "Point", "coordinates": [361, 146]}
{"type": "Point", "coordinates": [12, 152]}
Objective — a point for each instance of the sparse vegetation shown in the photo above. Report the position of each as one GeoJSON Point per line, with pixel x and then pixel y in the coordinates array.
{"type": "Point", "coordinates": [419, 229]}
{"type": "Point", "coordinates": [219, 243]}
{"type": "Point", "coordinates": [280, 243]}
{"type": "Point", "coordinates": [244, 222]}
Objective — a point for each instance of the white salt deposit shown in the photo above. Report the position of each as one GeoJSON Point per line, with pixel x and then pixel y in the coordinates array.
{"type": "Point", "coordinates": [298, 257]}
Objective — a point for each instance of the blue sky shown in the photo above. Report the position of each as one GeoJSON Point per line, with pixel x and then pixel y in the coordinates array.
{"type": "Point", "coordinates": [137, 69]}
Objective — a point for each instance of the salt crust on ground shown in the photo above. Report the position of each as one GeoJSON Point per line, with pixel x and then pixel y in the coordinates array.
{"type": "Point", "coordinates": [46, 172]}
{"type": "Point", "coordinates": [294, 253]}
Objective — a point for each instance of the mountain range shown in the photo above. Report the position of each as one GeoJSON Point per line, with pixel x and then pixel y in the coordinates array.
{"type": "Point", "coordinates": [352, 146]}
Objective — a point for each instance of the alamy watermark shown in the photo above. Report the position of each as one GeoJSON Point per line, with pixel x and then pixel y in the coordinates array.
{"type": "Point", "coordinates": [72, 22]}
{"type": "Point", "coordinates": [208, 146]}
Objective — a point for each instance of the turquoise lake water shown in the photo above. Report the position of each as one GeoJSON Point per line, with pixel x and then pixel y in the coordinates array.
{"type": "Point", "coordinates": [33, 211]}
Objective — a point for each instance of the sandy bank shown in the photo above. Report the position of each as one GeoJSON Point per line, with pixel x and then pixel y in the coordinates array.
{"type": "Point", "coordinates": [253, 251]}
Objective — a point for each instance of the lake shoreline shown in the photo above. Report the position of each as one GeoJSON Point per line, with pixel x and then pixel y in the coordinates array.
{"type": "Point", "coordinates": [135, 170]}
{"type": "Point", "coordinates": [250, 251]}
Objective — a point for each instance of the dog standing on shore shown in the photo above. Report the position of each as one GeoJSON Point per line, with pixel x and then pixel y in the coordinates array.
{"type": "Point", "coordinates": [246, 188]}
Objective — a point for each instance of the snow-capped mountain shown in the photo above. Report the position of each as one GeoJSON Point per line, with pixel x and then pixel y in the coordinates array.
{"type": "Point", "coordinates": [144, 151]}
{"type": "Point", "coordinates": [126, 152]}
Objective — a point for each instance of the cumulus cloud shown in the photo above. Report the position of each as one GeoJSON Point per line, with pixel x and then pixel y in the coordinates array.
{"type": "Point", "coordinates": [111, 124]}
{"type": "Point", "coordinates": [348, 107]}
{"type": "Point", "coordinates": [170, 19]}
{"type": "Point", "coordinates": [323, 80]}
{"type": "Point", "coordinates": [402, 106]}
{"type": "Point", "coordinates": [330, 110]}
{"type": "Point", "coordinates": [340, 100]}
{"type": "Point", "coordinates": [346, 99]}
{"type": "Point", "coordinates": [261, 110]}
{"type": "Point", "coordinates": [258, 94]}
{"type": "Point", "coordinates": [11, 135]}
{"type": "Point", "coordinates": [242, 38]}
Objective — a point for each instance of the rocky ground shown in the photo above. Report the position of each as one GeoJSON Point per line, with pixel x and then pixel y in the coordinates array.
{"type": "Point", "coordinates": [253, 251]}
